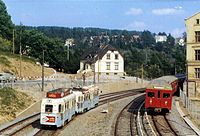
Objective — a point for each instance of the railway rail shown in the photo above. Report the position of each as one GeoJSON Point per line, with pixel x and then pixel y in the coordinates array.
{"type": "Point", "coordinates": [163, 127]}
{"type": "Point", "coordinates": [31, 124]}
{"type": "Point", "coordinates": [126, 122]}
{"type": "Point", "coordinates": [19, 125]}
{"type": "Point", "coordinates": [133, 120]}
{"type": "Point", "coordinates": [157, 124]}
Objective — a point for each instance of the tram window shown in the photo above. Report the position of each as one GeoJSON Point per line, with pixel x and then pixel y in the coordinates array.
{"type": "Point", "coordinates": [59, 108]}
{"type": "Point", "coordinates": [166, 95]}
{"type": "Point", "coordinates": [151, 94]}
{"type": "Point", "coordinates": [48, 108]}
{"type": "Point", "coordinates": [79, 98]}
{"type": "Point", "coordinates": [67, 105]}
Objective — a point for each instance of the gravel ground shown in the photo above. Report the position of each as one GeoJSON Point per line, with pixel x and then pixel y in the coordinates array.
{"type": "Point", "coordinates": [94, 122]}
{"type": "Point", "coordinates": [177, 121]}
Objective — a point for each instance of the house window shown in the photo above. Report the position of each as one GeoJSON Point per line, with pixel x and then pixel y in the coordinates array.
{"type": "Point", "coordinates": [107, 73]}
{"type": "Point", "coordinates": [115, 73]}
{"type": "Point", "coordinates": [116, 56]}
{"type": "Point", "coordinates": [108, 56]}
{"type": "Point", "coordinates": [197, 36]}
{"type": "Point", "coordinates": [197, 54]}
{"type": "Point", "coordinates": [197, 21]}
{"type": "Point", "coordinates": [116, 65]}
{"type": "Point", "coordinates": [107, 65]}
{"type": "Point", "coordinates": [197, 72]}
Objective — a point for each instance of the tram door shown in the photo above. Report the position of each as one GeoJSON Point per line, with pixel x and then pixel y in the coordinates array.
{"type": "Point", "coordinates": [60, 108]}
{"type": "Point", "coordinates": [158, 102]}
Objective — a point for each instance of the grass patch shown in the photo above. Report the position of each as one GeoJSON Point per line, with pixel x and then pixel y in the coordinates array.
{"type": "Point", "coordinates": [17, 56]}
{"type": "Point", "coordinates": [4, 61]}
{"type": "Point", "coordinates": [12, 101]}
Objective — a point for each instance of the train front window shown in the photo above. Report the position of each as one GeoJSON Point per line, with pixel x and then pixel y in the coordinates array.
{"type": "Point", "coordinates": [166, 95]}
{"type": "Point", "coordinates": [151, 94]}
{"type": "Point", "coordinates": [48, 108]}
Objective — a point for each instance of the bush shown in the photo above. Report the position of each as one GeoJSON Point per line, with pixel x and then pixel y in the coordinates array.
{"type": "Point", "coordinates": [5, 45]}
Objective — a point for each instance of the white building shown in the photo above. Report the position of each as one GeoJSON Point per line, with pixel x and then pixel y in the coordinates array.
{"type": "Point", "coordinates": [69, 42]}
{"type": "Point", "coordinates": [161, 38]}
{"type": "Point", "coordinates": [180, 41]}
{"type": "Point", "coordinates": [105, 60]}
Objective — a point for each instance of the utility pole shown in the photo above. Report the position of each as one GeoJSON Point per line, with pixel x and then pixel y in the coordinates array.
{"type": "Point", "coordinates": [67, 44]}
{"type": "Point", "coordinates": [13, 41]}
{"type": "Point", "coordinates": [20, 51]}
{"type": "Point", "coordinates": [43, 70]}
{"type": "Point", "coordinates": [98, 69]}
{"type": "Point", "coordinates": [20, 63]}
{"type": "Point", "coordinates": [142, 73]}
{"type": "Point", "coordinates": [94, 71]}
{"type": "Point", "coordinates": [94, 74]}
{"type": "Point", "coordinates": [187, 88]}
{"type": "Point", "coordinates": [146, 57]}
{"type": "Point", "coordinates": [175, 68]}
{"type": "Point", "coordinates": [68, 52]}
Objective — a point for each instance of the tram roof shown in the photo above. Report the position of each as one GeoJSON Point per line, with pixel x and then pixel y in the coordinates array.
{"type": "Point", "coordinates": [163, 82]}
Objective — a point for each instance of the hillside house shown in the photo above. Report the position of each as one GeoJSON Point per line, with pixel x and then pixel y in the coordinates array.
{"type": "Point", "coordinates": [105, 60]}
{"type": "Point", "coordinates": [161, 38]}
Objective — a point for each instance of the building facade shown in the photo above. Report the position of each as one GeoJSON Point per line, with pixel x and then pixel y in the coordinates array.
{"type": "Point", "coordinates": [193, 49]}
{"type": "Point", "coordinates": [103, 60]}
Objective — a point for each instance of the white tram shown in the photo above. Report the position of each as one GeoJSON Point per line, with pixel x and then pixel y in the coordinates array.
{"type": "Point", "coordinates": [86, 98]}
{"type": "Point", "coordinates": [60, 105]}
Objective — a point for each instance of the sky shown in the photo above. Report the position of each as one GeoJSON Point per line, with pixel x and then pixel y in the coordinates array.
{"type": "Point", "coordinates": [154, 15]}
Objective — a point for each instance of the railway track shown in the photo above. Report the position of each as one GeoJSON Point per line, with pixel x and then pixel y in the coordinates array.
{"type": "Point", "coordinates": [30, 125]}
{"type": "Point", "coordinates": [156, 124]}
{"type": "Point", "coordinates": [19, 125]}
{"type": "Point", "coordinates": [162, 125]}
{"type": "Point", "coordinates": [134, 120]}
{"type": "Point", "coordinates": [126, 123]}
{"type": "Point", "coordinates": [122, 92]}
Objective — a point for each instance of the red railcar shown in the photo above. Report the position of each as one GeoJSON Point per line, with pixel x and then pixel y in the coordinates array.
{"type": "Point", "coordinates": [159, 93]}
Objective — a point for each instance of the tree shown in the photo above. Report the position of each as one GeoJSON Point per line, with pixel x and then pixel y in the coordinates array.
{"type": "Point", "coordinates": [5, 45]}
{"type": "Point", "coordinates": [6, 25]}
{"type": "Point", "coordinates": [170, 40]}
{"type": "Point", "coordinates": [147, 39]}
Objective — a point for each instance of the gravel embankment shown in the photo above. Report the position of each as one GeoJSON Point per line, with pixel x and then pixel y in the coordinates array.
{"type": "Point", "coordinates": [94, 122]}
{"type": "Point", "coordinates": [177, 122]}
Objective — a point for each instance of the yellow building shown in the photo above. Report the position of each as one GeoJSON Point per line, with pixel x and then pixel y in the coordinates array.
{"type": "Point", "coordinates": [193, 49]}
